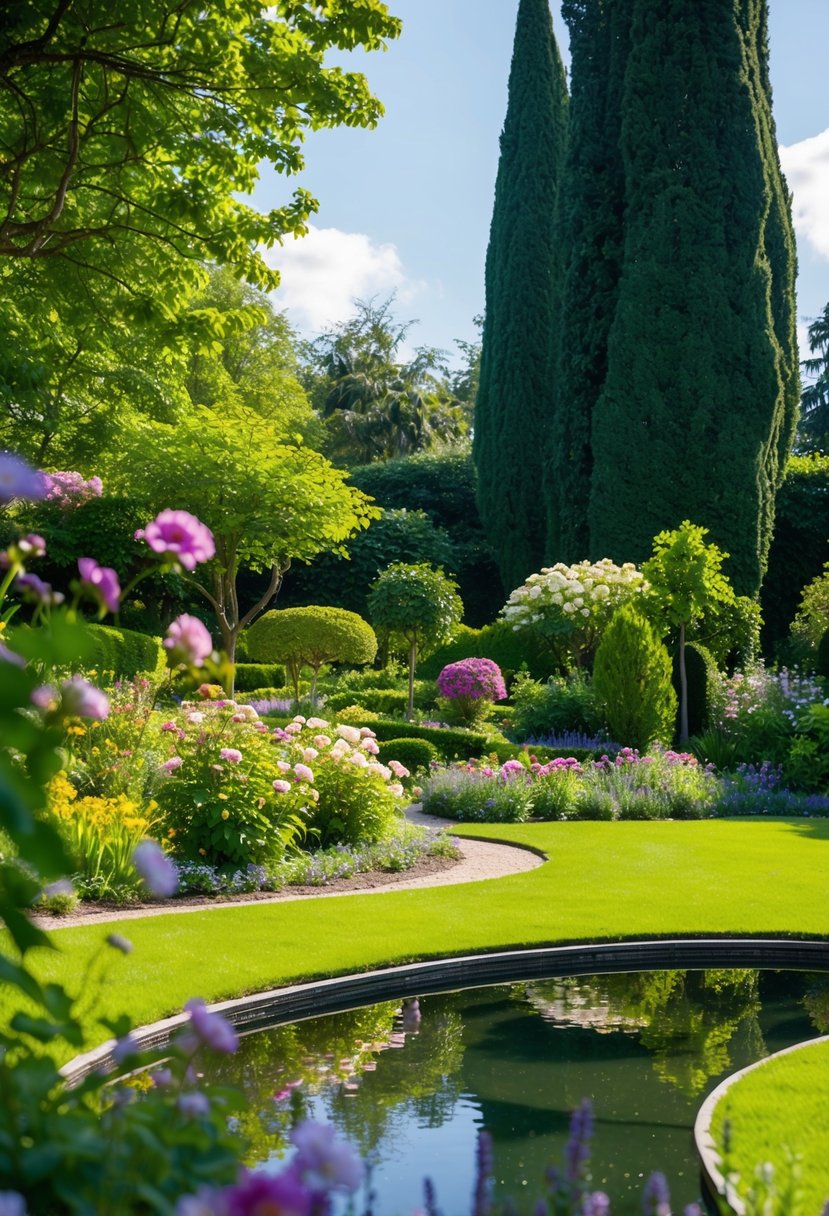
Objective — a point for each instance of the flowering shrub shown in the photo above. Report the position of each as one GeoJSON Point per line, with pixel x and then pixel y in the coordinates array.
{"type": "Point", "coordinates": [758, 711]}
{"type": "Point", "coordinates": [216, 787]}
{"type": "Point", "coordinates": [70, 489]}
{"type": "Point", "coordinates": [117, 754]}
{"type": "Point", "coordinates": [469, 687]}
{"type": "Point", "coordinates": [662, 785]}
{"type": "Point", "coordinates": [101, 834]}
{"type": "Point", "coordinates": [353, 797]}
{"type": "Point", "coordinates": [561, 704]}
{"type": "Point", "coordinates": [569, 606]}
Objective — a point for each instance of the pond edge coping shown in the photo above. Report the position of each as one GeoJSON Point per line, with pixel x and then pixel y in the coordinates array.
{"type": "Point", "coordinates": [296, 1002]}
{"type": "Point", "coordinates": [717, 1187]}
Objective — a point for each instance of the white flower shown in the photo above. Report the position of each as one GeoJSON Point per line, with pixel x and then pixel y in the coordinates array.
{"type": "Point", "coordinates": [349, 733]}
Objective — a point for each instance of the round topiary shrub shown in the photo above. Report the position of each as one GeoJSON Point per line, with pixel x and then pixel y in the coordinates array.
{"type": "Point", "coordinates": [310, 637]}
{"type": "Point", "coordinates": [468, 689]}
{"type": "Point", "coordinates": [416, 755]}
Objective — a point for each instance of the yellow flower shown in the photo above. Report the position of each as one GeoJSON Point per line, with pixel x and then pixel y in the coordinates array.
{"type": "Point", "coordinates": [171, 833]}
{"type": "Point", "coordinates": [222, 797]}
{"type": "Point", "coordinates": [203, 852]}
{"type": "Point", "coordinates": [76, 730]}
{"type": "Point", "coordinates": [225, 814]}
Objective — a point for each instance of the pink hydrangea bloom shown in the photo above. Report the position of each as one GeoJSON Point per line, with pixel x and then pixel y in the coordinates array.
{"type": "Point", "coordinates": [282, 786]}
{"type": "Point", "coordinates": [181, 536]}
{"type": "Point", "coordinates": [477, 679]}
{"type": "Point", "coordinates": [304, 772]}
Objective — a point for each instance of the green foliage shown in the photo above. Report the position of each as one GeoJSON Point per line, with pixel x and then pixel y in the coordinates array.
{"type": "Point", "coordinates": [352, 808]}
{"type": "Point", "coordinates": [377, 700]}
{"type": "Point", "coordinates": [415, 605]}
{"type": "Point", "coordinates": [799, 548]}
{"type": "Point", "coordinates": [510, 649]}
{"type": "Point", "coordinates": [255, 677]}
{"type": "Point", "coordinates": [822, 660]}
{"type": "Point", "coordinates": [414, 754]}
{"type": "Point", "coordinates": [730, 631]}
{"type": "Point", "coordinates": [378, 407]}
{"type": "Point", "coordinates": [399, 535]}
{"type": "Point", "coordinates": [697, 409]}
{"type": "Point", "coordinates": [563, 703]}
{"type": "Point", "coordinates": [806, 766]}
{"type": "Point", "coordinates": [125, 653]}
{"type": "Point", "coordinates": [632, 681]}
{"type": "Point", "coordinates": [450, 744]}
{"type": "Point", "coordinates": [310, 637]}
{"type": "Point", "coordinates": [701, 671]}
{"type": "Point", "coordinates": [812, 618]}
{"type": "Point", "coordinates": [443, 484]}
{"type": "Point", "coordinates": [516, 393]}
{"type": "Point", "coordinates": [266, 503]}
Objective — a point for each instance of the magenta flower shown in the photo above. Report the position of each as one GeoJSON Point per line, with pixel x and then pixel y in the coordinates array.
{"type": "Point", "coordinates": [180, 535]}
{"type": "Point", "coordinates": [102, 581]}
{"type": "Point", "coordinates": [476, 679]}
{"type": "Point", "coordinates": [155, 868]}
{"type": "Point", "coordinates": [283, 1194]}
{"type": "Point", "coordinates": [211, 1028]}
{"type": "Point", "coordinates": [80, 699]}
{"type": "Point", "coordinates": [70, 489]}
{"type": "Point", "coordinates": [231, 754]}
{"type": "Point", "coordinates": [322, 1160]}
{"type": "Point", "coordinates": [170, 766]}
{"type": "Point", "coordinates": [19, 480]}
{"type": "Point", "coordinates": [188, 641]}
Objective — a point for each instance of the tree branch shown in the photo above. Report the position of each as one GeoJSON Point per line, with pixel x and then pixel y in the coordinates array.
{"type": "Point", "coordinates": [277, 574]}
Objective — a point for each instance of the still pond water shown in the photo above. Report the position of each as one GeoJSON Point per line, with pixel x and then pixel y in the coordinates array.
{"type": "Point", "coordinates": [516, 1059]}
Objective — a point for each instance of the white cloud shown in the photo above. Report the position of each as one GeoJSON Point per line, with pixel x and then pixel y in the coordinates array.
{"type": "Point", "coordinates": [325, 271]}
{"type": "Point", "coordinates": [806, 165]}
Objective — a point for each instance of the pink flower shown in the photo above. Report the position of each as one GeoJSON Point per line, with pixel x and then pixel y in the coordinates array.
{"type": "Point", "coordinates": [231, 754]}
{"type": "Point", "coordinates": [18, 480]}
{"type": "Point", "coordinates": [211, 1028]}
{"type": "Point", "coordinates": [102, 581]}
{"type": "Point", "coordinates": [282, 1194]}
{"type": "Point", "coordinates": [188, 640]}
{"type": "Point", "coordinates": [282, 787]}
{"type": "Point", "coordinates": [170, 726]}
{"type": "Point", "coordinates": [69, 489]}
{"type": "Point", "coordinates": [322, 1161]}
{"type": "Point", "coordinates": [303, 772]}
{"type": "Point", "coordinates": [157, 871]}
{"type": "Point", "coordinates": [45, 697]}
{"type": "Point", "coordinates": [31, 545]}
{"type": "Point", "coordinates": [170, 766]}
{"type": "Point", "coordinates": [80, 699]}
{"type": "Point", "coordinates": [178, 533]}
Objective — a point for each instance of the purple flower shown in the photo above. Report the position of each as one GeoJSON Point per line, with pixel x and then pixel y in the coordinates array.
{"type": "Point", "coordinates": [102, 581]}
{"type": "Point", "coordinates": [178, 533]}
{"type": "Point", "coordinates": [322, 1161]}
{"type": "Point", "coordinates": [597, 1204]}
{"type": "Point", "coordinates": [31, 545]}
{"type": "Point", "coordinates": [231, 754]}
{"type": "Point", "coordinates": [206, 1202]}
{"type": "Point", "coordinates": [170, 766]}
{"type": "Point", "coordinates": [212, 1028]}
{"type": "Point", "coordinates": [194, 1105]}
{"type": "Point", "coordinates": [155, 868]}
{"type": "Point", "coordinates": [656, 1199]}
{"type": "Point", "coordinates": [188, 640]}
{"type": "Point", "coordinates": [256, 1194]}
{"type": "Point", "coordinates": [18, 479]}
{"type": "Point", "coordinates": [476, 679]}
{"type": "Point", "coordinates": [8, 656]}
{"type": "Point", "coordinates": [125, 1047]}
{"type": "Point", "coordinates": [34, 588]}
{"type": "Point", "coordinates": [69, 489]}
{"type": "Point", "coordinates": [80, 699]}
{"type": "Point", "coordinates": [12, 1203]}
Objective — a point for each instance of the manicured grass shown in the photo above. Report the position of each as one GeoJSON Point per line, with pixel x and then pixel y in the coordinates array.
{"type": "Point", "coordinates": [602, 882]}
{"type": "Point", "coordinates": [782, 1106]}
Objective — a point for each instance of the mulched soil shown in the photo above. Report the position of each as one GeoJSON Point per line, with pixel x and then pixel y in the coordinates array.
{"type": "Point", "coordinates": [88, 912]}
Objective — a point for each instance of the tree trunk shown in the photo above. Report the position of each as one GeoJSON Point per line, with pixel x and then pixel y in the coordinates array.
{"type": "Point", "coordinates": [412, 661]}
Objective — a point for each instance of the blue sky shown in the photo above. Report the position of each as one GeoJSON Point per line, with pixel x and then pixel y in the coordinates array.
{"type": "Point", "coordinates": [406, 207]}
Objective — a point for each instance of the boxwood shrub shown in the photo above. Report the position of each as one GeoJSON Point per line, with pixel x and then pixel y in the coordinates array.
{"type": "Point", "coordinates": [253, 676]}
{"type": "Point", "coordinates": [124, 652]}
{"type": "Point", "coordinates": [414, 754]}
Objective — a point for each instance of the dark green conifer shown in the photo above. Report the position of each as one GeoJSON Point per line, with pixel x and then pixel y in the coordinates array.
{"type": "Point", "coordinates": [696, 412]}
{"type": "Point", "coordinates": [516, 393]}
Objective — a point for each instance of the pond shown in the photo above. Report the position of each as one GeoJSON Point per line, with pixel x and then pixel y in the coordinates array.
{"type": "Point", "coordinates": [516, 1059]}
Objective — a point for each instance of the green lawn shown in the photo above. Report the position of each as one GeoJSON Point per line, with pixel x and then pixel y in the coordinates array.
{"type": "Point", "coordinates": [602, 882]}
{"type": "Point", "coordinates": [777, 1108]}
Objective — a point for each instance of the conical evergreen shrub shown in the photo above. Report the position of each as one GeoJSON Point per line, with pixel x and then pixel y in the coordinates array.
{"type": "Point", "coordinates": [632, 681]}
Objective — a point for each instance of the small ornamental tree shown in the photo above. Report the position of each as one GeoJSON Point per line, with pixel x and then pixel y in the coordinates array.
{"type": "Point", "coordinates": [568, 607]}
{"type": "Point", "coordinates": [417, 605]}
{"type": "Point", "coordinates": [686, 581]}
{"type": "Point", "coordinates": [632, 681]}
{"type": "Point", "coordinates": [471, 686]}
{"type": "Point", "coordinates": [310, 637]}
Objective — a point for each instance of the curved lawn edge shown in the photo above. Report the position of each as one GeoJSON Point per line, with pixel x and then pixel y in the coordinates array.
{"type": "Point", "coordinates": [719, 1191]}
{"type": "Point", "coordinates": [296, 1002]}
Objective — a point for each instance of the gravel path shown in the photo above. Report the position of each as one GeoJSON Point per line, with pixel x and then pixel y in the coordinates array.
{"type": "Point", "coordinates": [481, 860]}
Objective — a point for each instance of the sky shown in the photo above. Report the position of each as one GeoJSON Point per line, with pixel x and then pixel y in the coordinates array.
{"type": "Point", "coordinates": [406, 207]}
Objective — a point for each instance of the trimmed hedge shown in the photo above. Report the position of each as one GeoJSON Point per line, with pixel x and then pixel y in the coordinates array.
{"type": "Point", "coordinates": [253, 676]}
{"type": "Point", "coordinates": [510, 649]}
{"type": "Point", "coordinates": [414, 754]}
{"type": "Point", "coordinates": [450, 744]}
{"type": "Point", "coordinates": [125, 652]}
{"type": "Point", "coordinates": [378, 700]}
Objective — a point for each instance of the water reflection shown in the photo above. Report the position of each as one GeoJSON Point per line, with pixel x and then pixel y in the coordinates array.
{"type": "Point", "coordinates": [517, 1059]}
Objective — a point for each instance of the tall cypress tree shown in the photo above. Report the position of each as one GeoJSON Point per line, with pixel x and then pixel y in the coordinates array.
{"type": "Point", "coordinates": [696, 411]}
{"type": "Point", "coordinates": [589, 234]}
{"type": "Point", "coordinates": [516, 393]}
